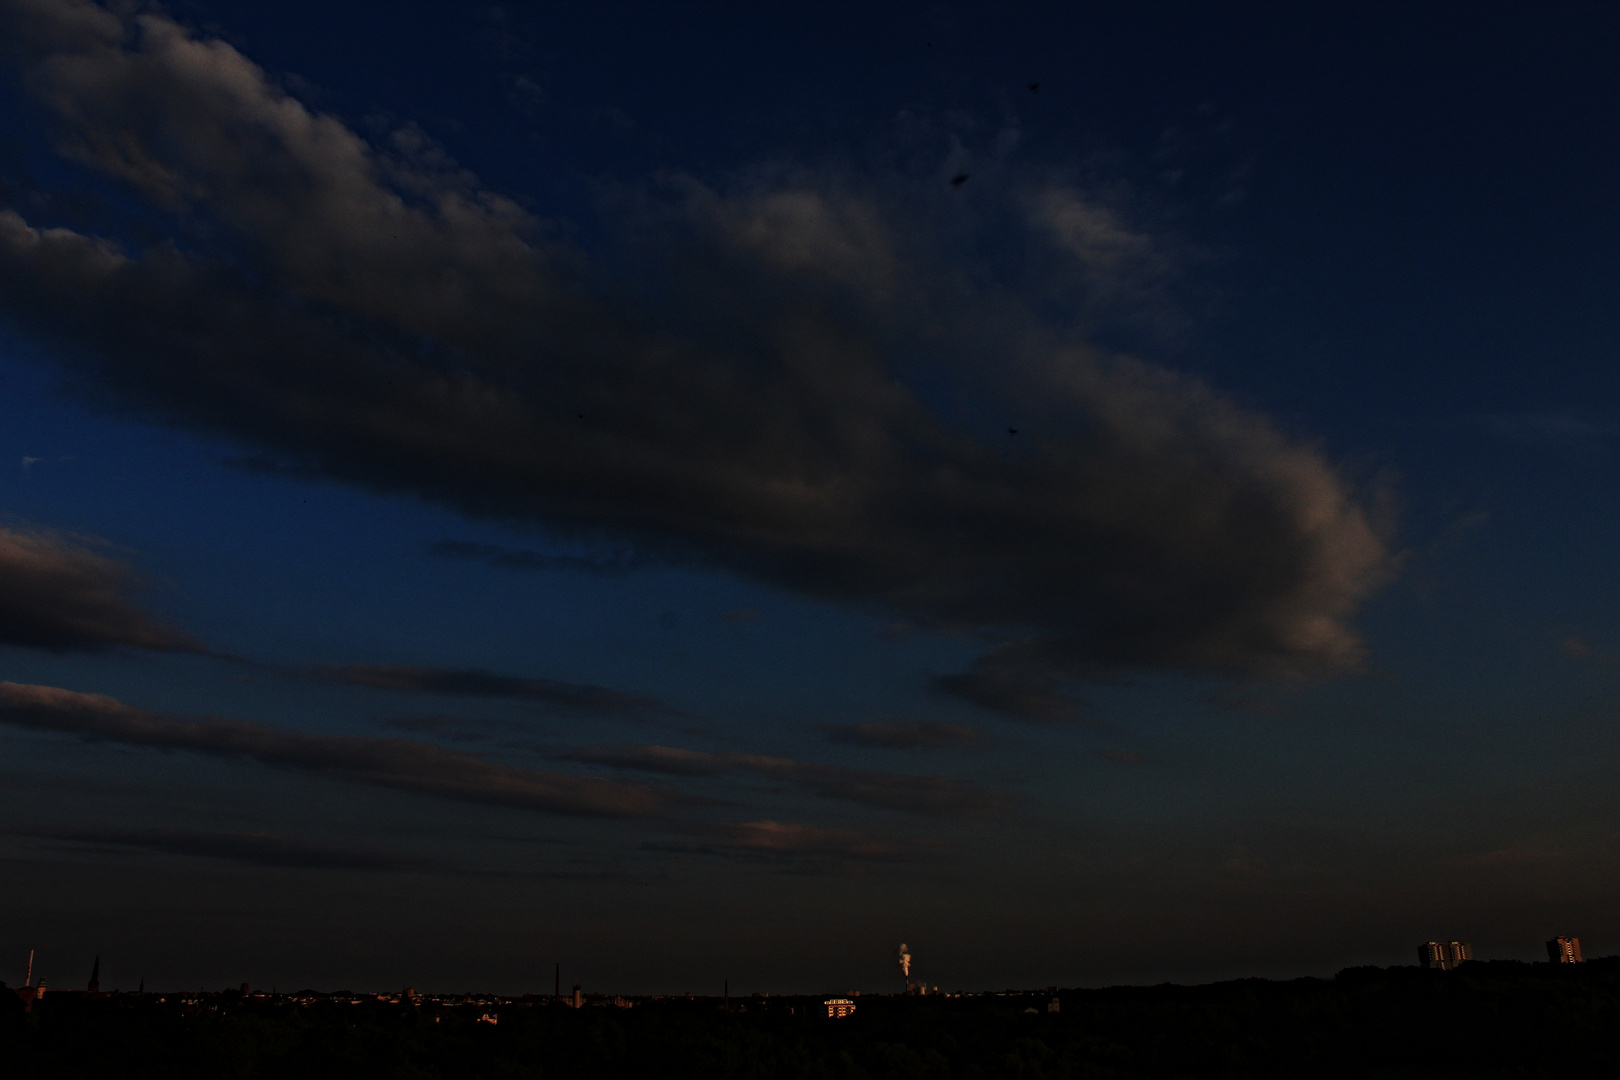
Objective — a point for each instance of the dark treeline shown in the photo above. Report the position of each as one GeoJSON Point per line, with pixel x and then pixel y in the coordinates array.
{"type": "Point", "coordinates": [1496, 1019]}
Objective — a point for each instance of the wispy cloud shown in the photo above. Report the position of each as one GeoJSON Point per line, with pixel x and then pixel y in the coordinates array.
{"type": "Point", "coordinates": [938, 795]}
{"type": "Point", "coordinates": [745, 397]}
{"type": "Point", "coordinates": [820, 847]}
{"type": "Point", "coordinates": [1545, 428]}
{"type": "Point", "coordinates": [786, 838]}
{"type": "Point", "coordinates": [1579, 648]}
{"type": "Point", "coordinates": [477, 683]}
{"type": "Point", "coordinates": [66, 594]}
{"type": "Point", "coordinates": [455, 729]}
{"type": "Point", "coordinates": [253, 848]}
{"type": "Point", "coordinates": [1014, 680]}
{"type": "Point", "coordinates": [904, 735]}
{"type": "Point", "coordinates": [401, 764]}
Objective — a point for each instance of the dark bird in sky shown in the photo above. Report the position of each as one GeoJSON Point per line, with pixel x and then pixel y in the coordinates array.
{"type": "Point", "coordinates": [959, 179]}
{"type": "Point", "coordinates": [1034, 87]}
{"type": "Point", "coordinates": [1012, 431]}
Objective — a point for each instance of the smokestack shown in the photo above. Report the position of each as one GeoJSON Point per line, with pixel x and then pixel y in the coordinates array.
{"type": "Point", "coordinates": [903, 958]}
{"type": "Point", "coordinates": [558, 991]}
{"type": "Point", "coordinates": [95, 975]}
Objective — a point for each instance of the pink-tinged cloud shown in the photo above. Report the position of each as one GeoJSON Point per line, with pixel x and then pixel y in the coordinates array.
{"type": "Point", "coordinates": [785, 838]}
{"type": "Point", "coordinates": [63, 595]}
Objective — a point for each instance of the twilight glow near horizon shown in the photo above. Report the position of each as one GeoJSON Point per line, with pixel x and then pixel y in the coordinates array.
{"type": "Point", "coordinates": [1103, 493]}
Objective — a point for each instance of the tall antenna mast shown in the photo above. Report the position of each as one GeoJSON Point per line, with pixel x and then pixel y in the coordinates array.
{"type": "Point", "coordinates": [28, 979]}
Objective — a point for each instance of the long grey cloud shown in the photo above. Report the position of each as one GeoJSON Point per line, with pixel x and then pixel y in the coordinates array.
{"type": "Point", "coordinates": [904, 735]}
{"type": "Point", "coordinates": [62, 594]}
{"type": "Point", "coordinates": [780, 839]}
{"type": "Point", "coordinates": [894, 791]}
{"type": "Point", "coordinates": [253, 848]}
{"type": "Point", "coordinates": [807, 387]}
{"type": "Point", "coordinates": [475, 682]}
{"type": "Point", "coordinates": [401, 764]}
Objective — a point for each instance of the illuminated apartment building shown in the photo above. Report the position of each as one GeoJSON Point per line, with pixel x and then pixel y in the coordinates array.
{"type": "Point", "coordinates": [839, 1007]}
{"type": "Point", "coordinates": [1444, 955]}
{"type": "Point", "coordinates": [1564, 950]}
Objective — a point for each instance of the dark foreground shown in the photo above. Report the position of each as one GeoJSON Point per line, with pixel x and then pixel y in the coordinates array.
{"type": "Point", "coordinates": [1485, 1020]}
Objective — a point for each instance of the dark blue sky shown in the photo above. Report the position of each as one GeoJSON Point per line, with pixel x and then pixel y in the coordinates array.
{"type": "Point", "coordinates": [595, 483]}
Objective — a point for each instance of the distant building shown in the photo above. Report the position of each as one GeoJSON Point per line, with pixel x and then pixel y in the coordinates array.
{"type": "Point", "coordinates": [1444, 955]}
{"type": "Point", "coordinates": [838, 1007]}
{"type": "Point", "coordinates": [1564, 950]}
